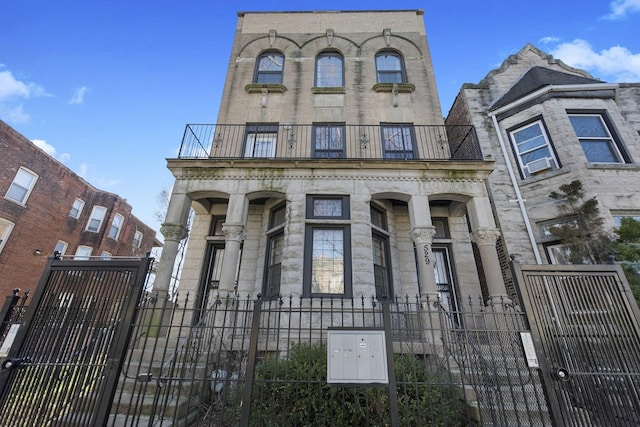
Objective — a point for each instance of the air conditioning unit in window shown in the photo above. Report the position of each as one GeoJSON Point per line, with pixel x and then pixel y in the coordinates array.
{"type": "Point", "coordinates": [539, 165]}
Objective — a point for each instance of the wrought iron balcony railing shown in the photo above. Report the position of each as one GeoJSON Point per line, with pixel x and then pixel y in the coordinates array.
{"type": "Point", "coordinates": [330, 141]}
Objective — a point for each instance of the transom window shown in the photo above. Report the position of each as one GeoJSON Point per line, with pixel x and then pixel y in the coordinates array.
{"type": "Point", "coordinates": [96, 218]}
{"type": "Point", "coordinates": [269, 68]}
{"type": "Point", "coordinates": [261, 141]}
{"type": "Point", "coordinates": [328, 141]}
{"type": "Point", "coordinates": [397, 141]}
{"type": "Point", "coordinates": [76, 209]}
{"type": "Point", "coordinates": [5, 231]}
{"type": "Point", "coordinates": [21, 186]}
{"type": "Point", "coordinates": [595, 138]}
{"type": "Point", "coordinates": [329, 70]}
{"type": "Point", "coordinates": [116, 226]}
{"type": "Point", "coordinates": [327, 256]}
{"type": "Point", "coordinates": [390, 68]}
{"type": "Point", "coordinates": [533, 149]}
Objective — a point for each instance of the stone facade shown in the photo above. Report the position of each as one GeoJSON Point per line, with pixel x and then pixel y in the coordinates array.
{"type": "Point", "coordinates": [560, 90]}
{"type": "Point", "coordinates": [407, 224]}
{"type": "Point", "coordinates": [44, 219]}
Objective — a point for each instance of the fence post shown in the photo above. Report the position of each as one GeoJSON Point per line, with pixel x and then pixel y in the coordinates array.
{"type": "Point", "coordinates": [251, 364]}
{"type": "Point", "coordinates": [393, 390]}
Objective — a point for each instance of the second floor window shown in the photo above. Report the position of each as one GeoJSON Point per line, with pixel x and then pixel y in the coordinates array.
{"type": "Point", "coordinates": [137, 239]}
{"type": "Point", "coordinates": [96, 218]}
{"type": "Point", "coordinates": [328, 140]}
{"type": "Point", "coordinates": [269, 68]}
{"type": "Point", "coordinates": [596, 139]}
{"type": "Point", "coordinates": [116, 226]}
{"type": "Point", "coordinates": [329, 70]}
{"type": "Point", "coordinates": [261, 141]}
{"type": "Point", "coordinates": [61, 247]}
{"type": "Point", "coordinates": [83, 253]}
{"type": "Point", "coordinates": [5, 231]}
{"type": "Point", "coordinates": [390, 68]}
{"type": "Point", "coordinates": [533, 149]}
{"type": "Point", "coordinates": [21, 186]}
{"type": "Point", "coordinates": [397, 141]}
{"type": "Point", "coordinates": [76, 209]}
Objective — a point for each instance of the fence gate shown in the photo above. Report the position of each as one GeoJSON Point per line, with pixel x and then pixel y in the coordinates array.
{"type": "Point", "coordinates": [62, 366]}
{"type": "Point", "coordinates": [584, 322]}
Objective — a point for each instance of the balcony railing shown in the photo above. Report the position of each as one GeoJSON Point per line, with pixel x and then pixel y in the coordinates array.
{"type": "Point", "coordinates": [330, 141]}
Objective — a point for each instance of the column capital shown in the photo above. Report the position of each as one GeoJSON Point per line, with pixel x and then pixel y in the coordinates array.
{"type": "Point", "coordinates": [234, 232]}
{"type": "Point", "coordinates": [423, 235]}
{"type": "Point", "coordinates": [485, 236]}
{"type": "Point", "coordinates": [174, 232]}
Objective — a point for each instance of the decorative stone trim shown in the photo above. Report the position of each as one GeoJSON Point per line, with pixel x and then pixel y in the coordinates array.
{"type": "Point", "coordinates": [423, 235]}
{"type": "Point", "coordinates": [261, 87]}
{"type": "Point", "coordinates": [328, 90]}
{"type": "Point", "coordinates": [234, 232]}
{"type": "Point", "coordinates": [174, 232]}
{"type": "Point", "coordinates": [485, 236]}
{"type": "Point", "coordinates": [394, 87]}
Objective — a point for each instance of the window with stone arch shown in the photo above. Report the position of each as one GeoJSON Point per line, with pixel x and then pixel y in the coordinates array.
{"type": "Point", "coordinates": [269, 68]}
{"type": "Point", "coordinates": [390, 67]}
{"type": "Point", "coordinates": [329, 69]}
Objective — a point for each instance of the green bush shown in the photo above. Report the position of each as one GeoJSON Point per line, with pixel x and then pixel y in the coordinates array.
{"type": "Point", "coordinates": [294, 391]}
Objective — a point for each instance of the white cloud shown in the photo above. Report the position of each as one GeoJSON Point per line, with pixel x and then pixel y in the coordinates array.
{"type": "Point", "coordinates": [45, 146]}
{"type": "Point", "coordinates": [78, 96]}
{"type": "Point", "coordinates": [83, 170]}
{"type": "Point", "coordinates": [621, 8]}
{"type": "Point", "coordinates": [10, 87]}
{"type": "Point", "coordinates": [617, 63]}
{"type": "Point", "coordinates": [14, 114]}
{"type": "Point", "coordinates": [549, 39]}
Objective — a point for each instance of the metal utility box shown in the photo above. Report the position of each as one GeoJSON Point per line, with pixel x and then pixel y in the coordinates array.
{"type": "Point", "coordinates": [356, 356]}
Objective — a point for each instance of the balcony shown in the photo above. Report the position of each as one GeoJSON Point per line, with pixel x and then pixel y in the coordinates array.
{"type": "Point", "coordinates": [330, 141]}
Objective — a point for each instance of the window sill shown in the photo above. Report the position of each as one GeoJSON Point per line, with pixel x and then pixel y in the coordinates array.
{"type": "Point", "coordinates": [394, 87]}
{"type": "Point", "coordinates": [544, 175]}
{"type": "Point", "coordinates": [268, 87]}
{"type": "Point", "coordinates": [619, 166]}
{"type": "Point", "coordinates": [327, 90]}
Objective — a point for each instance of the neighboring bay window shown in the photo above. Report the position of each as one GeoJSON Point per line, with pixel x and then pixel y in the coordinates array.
{"type": "Point", "coordinates": [533, 149]}
{"type": "Point", "coordinates": [116, 226]}
{"type": "Point", "coordinates": [596, 139]}
{"type": "Point", "coordinates": [76, 209]}
{"type": "Point", "coordinates": [96, 218]}
{"type": "Point", "coordinates": [327, 270]}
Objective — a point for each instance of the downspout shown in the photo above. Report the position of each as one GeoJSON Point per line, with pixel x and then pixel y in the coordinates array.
{"type": "Point", "coordinates": [514, 182]}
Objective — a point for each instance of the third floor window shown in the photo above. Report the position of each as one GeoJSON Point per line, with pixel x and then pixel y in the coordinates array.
{"type": "Point", "coordinates": [329, 70]}
{"type": "Point", "coordinates": [96, 218]}
{"type": "Point", "coordinates": [390, 68]}
{"type": "Point", "coordinates": [596, 139]}
{"type": "Point", "coordinates": [269, 68]}
{"type": "Point", "coordinates": [21, 186]}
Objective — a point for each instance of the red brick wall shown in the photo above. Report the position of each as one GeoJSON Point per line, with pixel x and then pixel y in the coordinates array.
{"type": "Point", "coordinates": [45, 218]}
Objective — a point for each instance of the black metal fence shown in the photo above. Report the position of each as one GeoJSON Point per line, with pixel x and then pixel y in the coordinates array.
{"type": "Point", "coordinates": [249, 361]}
{"type": "Point", "coordinates": [334, 142]}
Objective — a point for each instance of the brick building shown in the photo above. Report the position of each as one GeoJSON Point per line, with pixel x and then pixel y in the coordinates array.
{"type": "Point", "coordinates": [330, 171]}
{"type": "Point", "coordinates": [547, 124]}
{"type": "Point", "coordinates": [46, 207]}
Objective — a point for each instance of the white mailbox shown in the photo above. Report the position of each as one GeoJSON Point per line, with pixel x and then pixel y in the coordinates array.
{"type": "Point", "coordinates": [356, 356]}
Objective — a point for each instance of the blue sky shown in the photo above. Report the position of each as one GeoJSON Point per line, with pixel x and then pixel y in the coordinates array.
{"type": "Point", "coordinates": [107, 87]}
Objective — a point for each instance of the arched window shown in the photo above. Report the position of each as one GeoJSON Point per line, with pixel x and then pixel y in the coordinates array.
{"type": "Point", "coordinates": [269, 68]}
{"type": "Point", "coordinates": [390, 68]}
{"type": "Point", "coordinates": [329, 70]}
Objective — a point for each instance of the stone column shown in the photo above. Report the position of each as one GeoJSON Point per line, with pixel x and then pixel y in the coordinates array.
{"type": "Point", "coordinates": [486, 239]}
{"type": "Point", "coordinates": [422, 238]}
{"type": "Point", "coordinates": [235, 233]}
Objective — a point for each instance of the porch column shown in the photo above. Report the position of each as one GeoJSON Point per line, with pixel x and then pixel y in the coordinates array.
{"type": "Point", "coordinates": [422, 238]}
{"type": "Point", "coordinates": [235, 233]}
{"type": "Point", "coordinates": [422, 233]}
{"type": "Point", "coordinates": [174, 230]}
{"type": "Point", "coordinates": [485, 234]}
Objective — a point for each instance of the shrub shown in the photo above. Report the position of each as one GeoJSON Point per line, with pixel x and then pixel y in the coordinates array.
{"type": "Point", "coordinates": [294, 391]}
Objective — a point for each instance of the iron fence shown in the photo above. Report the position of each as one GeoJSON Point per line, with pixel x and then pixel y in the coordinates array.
{"type": "Point", "coordinates": [332, 142]}
{"type": "Point", "coordinates": [250, 361]}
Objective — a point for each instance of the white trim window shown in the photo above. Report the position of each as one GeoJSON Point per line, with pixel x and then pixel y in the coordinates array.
{"type": "Point", "coordinates": [116, 226]}
{"type": "Point", "coordinates": [61, 247]}
{"type": "Point", "coordinates": [533, 149]}
{"type": "Point", "coordinates": [5, 230]}
{"type": "Point", "coordinates": [105, 256]}
{"type": "Point", "coordinates": [21, 186]}
{"type": "Point", "coordinates": [261, 141]}
{"type": "Point", "coordinates": [596, 139]}
{"type": "Point", "coordinates": [137, 239]}
{"type": "Point", "coordinates": [95, 220]}
{"type": "Point", "coordinates": [76, 209]}
{"type": "Point", "coordinates": [83, 253]}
